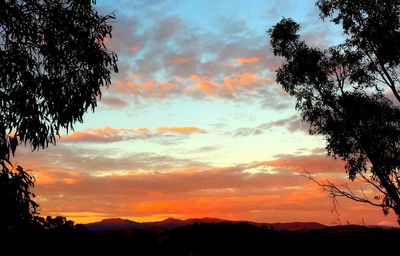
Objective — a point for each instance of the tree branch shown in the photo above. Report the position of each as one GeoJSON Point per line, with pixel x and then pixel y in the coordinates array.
{"type": "Point", "coordinates": [335, 191]}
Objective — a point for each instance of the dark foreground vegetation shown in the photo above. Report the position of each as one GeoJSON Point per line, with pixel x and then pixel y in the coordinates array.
{"type": "Point", "coordinates": [206, 239]}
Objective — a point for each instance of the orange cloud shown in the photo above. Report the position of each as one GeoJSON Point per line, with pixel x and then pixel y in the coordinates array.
{"type": "Point", "coordinates": [106, 134]}
{"type": "Point", "coordinates": [231, 87]}
{"type": "Point", "coordinates": [147, 185]}
{"type": "Point", "coordinates": [231, 192]}
{"type": "Point", "coordinates": [237, 85]}
{"type": "Point", "coordinates": [123, 87]}
{"type": "Point", "coordinates": [133, 48]}
{"type": "Point", "coordinates": [148, 88]}
{"type": "Point", "coordinates": [245, 81]}
{"type": "Point", "coordinates": [179, 129]}
{"type": "Point", "coordinates": [249, 60]}
{"type": "Point", "coordinates": [167, 86]}
{"type": "Point", "coordinates": [179, 60]}
{"type": "Point", "coordinates": [233, 205]}
{"type": "Point", "coordinates": [311, 163]}
{"type": "Point", "coordinates": [53, 176]}
{"type": "Point", "coordinates": [207, 87]}
{"type": "Point", "coordinates": [109, 134]}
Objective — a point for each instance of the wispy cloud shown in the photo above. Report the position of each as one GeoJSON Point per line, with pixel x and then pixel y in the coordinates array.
{"type": "Point", "coordinates": [179, 60]}
{"type": "Point", "coordinates": [114, 102]}
{"type": "Point", "coordinates": [180, 129]}
{"type": "Point", "coordinates": [106, 134]}
{"type": "Point", "coordinates": [109, 134]}
{"type": "Point", "coordinates": [249, 60]}
{"type": "Point", "coordinates": [235, 86]}
{"type": "Point", "coordinates": [292, 124]}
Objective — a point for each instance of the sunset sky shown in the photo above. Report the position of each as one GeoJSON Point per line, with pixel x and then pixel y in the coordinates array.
{"type": "Point", "coordinates": [194, 124]}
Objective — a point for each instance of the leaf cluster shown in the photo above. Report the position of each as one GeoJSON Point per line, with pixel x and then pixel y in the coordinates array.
{"type": "Point", "coordinates": [53, 65]}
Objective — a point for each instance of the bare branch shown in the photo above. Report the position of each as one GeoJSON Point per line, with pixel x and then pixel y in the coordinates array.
{"type": "Point", "coordinates": [335, 191]}
{"type": "Point", "coordinates": [368, 181]}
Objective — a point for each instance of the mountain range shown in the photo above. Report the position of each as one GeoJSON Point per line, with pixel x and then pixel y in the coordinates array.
{"type": "Point", "coordinates": [172, 223]}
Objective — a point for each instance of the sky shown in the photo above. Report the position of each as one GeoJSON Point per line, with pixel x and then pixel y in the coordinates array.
{"type": "Point", "coordinates": [194, 124]}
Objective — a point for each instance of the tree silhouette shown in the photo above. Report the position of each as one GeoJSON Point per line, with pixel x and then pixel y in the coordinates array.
{"type": "Point", "coordinates": [58, 223]}
{"type": "Point", "coordinates": [53, 65]}
{"type": "Point", "coordinates": [349, 93]}
{"type": "Point", "coordinates": [16, 201]}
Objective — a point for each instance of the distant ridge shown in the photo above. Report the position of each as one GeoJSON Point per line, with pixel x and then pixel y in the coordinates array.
{"type": "Point", "coordinates": [171, 223]}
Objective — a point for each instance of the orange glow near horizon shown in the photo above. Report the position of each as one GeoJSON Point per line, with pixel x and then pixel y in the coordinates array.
{"type": "Point", "coordinates": [277, 194]}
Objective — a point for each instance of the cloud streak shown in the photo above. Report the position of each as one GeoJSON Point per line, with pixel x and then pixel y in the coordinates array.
{"type": "Point", "coordinates": [109, 134]}
{"type": "Point", "coordinates": [292, 124]}
{"type": "Point", "coordinates": [249, 60]}
{"type": "Point", "coordinates": [180, 129]}
{"type": "Point", "coordinates": [113, 102]}
{"type": "Point", "coordinates": [106, 135]}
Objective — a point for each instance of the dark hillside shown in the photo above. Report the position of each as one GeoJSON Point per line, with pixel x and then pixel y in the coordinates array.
{"type": "Point", "coordinates": [223, 238]}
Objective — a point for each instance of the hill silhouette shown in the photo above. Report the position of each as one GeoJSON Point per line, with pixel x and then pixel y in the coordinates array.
{"type": "Point", "coordinates": [207, 237]}
{"type": "Point", "coordinates": [171, 223]}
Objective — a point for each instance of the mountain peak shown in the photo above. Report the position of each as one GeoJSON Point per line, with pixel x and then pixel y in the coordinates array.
{"type": "Point", "coordinates": [209, 219]}
{"type": "Point", "coordinates": [170, 219]}
{"type": "Point", "coordinates": [114, 221]}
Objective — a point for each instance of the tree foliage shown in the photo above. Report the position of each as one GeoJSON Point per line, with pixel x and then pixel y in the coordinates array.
{"type": "Point", "coordinates": [17, 208]}
{"type": "Point", "coordinates": [53, 65]}
{"type": "Point", "coordinates": [349, 93]}
{"type": "Point", "coordinates": [58, 223]}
